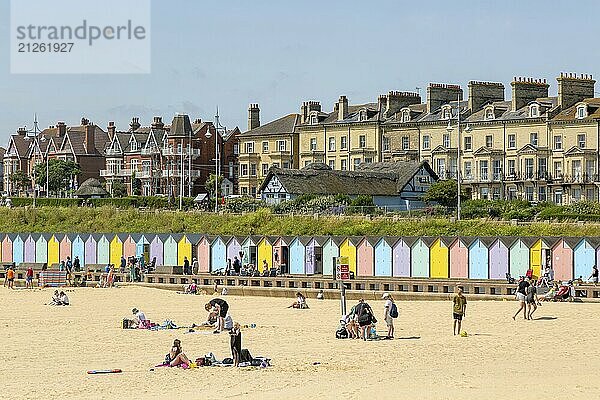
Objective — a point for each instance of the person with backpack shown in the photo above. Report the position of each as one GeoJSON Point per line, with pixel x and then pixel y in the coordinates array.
{"type": "Point", "coordinates": [364, 317]}
{"type": "Point", "coordinates": [459, 309]}
{"type": "Point", "coordinates": [390, 311]}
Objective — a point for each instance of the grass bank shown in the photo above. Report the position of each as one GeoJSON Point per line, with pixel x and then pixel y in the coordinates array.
{"type": "Point", "coordinates": [262, 222]}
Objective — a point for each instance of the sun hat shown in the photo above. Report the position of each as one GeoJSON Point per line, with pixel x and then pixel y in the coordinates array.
{"type": "Point", "coordinates": [386, 295]}
{"type": "Point", "coordinates": [134, 310]}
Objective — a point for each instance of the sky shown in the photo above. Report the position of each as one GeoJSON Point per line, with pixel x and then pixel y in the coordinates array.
{"type": "Point", "coordinates": [228, 54]}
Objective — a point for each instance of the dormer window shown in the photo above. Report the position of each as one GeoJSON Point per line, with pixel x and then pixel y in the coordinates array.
{"type": "Point", "coordinates": [406, 116]}
{"type": "Point", "coordinates": [313, 120]}
{"type": "Point", "coordinates": [362, 115]}
{"type": "Point", "coordinates": [446, 113]}
{"type": "Point", "coordinates": [489, 114]}
{"type": "Point", "coordinates": [133, 146]}
{"type": "Point", "coordinates": [534, 111]}
{"type": "Point", "coordinates": [581, 111]}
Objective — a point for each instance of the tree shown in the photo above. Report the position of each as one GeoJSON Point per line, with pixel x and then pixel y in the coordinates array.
{"type": "Point", "coordinates": [119, 189]}
{"type": "Point", "coordinates": [444, 193]}
{"type": "Point", "coordinates": [210, 185]}
{"type": "Point", "coordinates": [20, 180]}
{"type": "Point", "coordinates": [136, 186]}
{"type": "Point", "coordinates": [60, 174]}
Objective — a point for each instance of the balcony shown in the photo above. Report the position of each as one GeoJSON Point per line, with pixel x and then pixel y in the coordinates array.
{"type": "Point", "coordinates": [177, 173]}
{"type": "Point", "coordinates": [312, 153]}
{"type": "Point", "coordinates": [150, 152]}
{"type": "Point", "coordinates": [185, 152]}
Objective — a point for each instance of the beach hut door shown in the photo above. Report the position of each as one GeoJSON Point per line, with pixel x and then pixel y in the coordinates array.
{"type": "Point", "coordinates": [283, 260]}
{"type": "Point", "coordinates": [318, 259]}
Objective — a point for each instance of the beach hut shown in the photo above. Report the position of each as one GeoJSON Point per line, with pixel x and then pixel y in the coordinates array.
{"type": "Point", "coordinates": [298, 255]}
{"type": "Point", "coordinates": [29, 249]}
{"type": "Point", "coordinates": [170, 250]}
{"type": "Point", "coordinates": [7, 249]}
{"type": "Point", "coordinates": [53, 251]}
{"type": "Point", "coordinates": [348, 249]}
{"type": "Point", "coordinates": [91, 250]}
{"type": "Point", "coordinates": [384, 255]}
{"type": "Point", "coordinates": [365, 256]}
{"type": "Point", "coordinates": [535, 257]}
{"type": "Point", "coordinates": [440, 257]}
{"type": "Point", "coordinates": [65, 248]}
{"type": "Point", "coordinates": [203, 247]}
{"type": "Point", "coordinates": [156, 249]}
{"type": "Point", "coordinates": [130, 246]}
{"type": "Point", "coordinates": [562, 258]}
{"type": "Point", "coordinates": [265, 252]}
{"type": "Point", "coordinates": [519, 258]}
{"type": "Point", "coordinates": [314, 255]}
{"type": "Point", "coordinates": [584, 258]}
{"type": "Point", "coordinates": [218, 253]}
{"type": "Point", "coordinates": [103, 248]}
{"type": "Point", "coordinates": [459, 257]}
{"type": "Point", "coordinates": [401, 261]}
{"type": "Point", "coordinates": [184, 249]}
{"type": "Point", "coordinates": [18, 250]}
{"type": "Point", "coordinates": [234, 247]}
{"type": "Point", "coordinates": [419, 256]}
{"type": "Point", "coordinates": [331, 251]}
{"type": "Point", "coordinates": [281, 253]}
{"type": "Point", "coordinates": [78, 249]}
{"type": "Point", "coordinates": [499, 251]}
{"type": "Point", "coordinates": [250, 250]}
{"type": "Point", "coordinates": [478, 260]}
{"type": "Point", "coordinates": [41, 249]}
{"type": "Point", "coordinates": [115, 250]}
{"type": "Point", "coordinates": [142, 247]}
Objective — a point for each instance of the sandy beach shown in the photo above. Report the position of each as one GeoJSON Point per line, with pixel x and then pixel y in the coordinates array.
{"type": "Point", "coordinates": [46, 351]}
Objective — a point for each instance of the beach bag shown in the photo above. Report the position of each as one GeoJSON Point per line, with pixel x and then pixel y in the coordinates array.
{"type": "Point", "coordinates": [245, 356]}
{"type": "Point", "coordinates": [227, 361]}
{"type": "Point", "coordinates": [126, 324]}
{"type": "Point", "coordinates": [394, 311]}
{"type": "Point", "coordinates": [341, 333]}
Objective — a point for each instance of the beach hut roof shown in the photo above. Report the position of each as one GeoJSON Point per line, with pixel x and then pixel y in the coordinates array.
{"type": "Point", "coordinates": [429, 240]}
{"type": "Point", "coordinates": [304, 240]}
{"type": "Point", "coordinates": [507, 240]}
{"type": "Point", "coordinates": [408, 240]}
{"type": "Point", "coordinates": [549, 241]}
{"type": "Point", "coordinates": [448, 240]}
{"type": "Point", "coordinates": [530, 240]}
{"type": "Point", "coordinates": [488, 241]}
{"type": "Point", "coordinates": [390, 240]}
{"type": "Point", "coordinates": [337, 240]}
{"type": "Point", "coordinates": [320, 240]}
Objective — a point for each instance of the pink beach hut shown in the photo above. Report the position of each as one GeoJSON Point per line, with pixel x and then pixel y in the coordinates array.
{"type": "Point", "coordinates": [365, 254]}
{"type": "Point", "coordinates": [459, 258]}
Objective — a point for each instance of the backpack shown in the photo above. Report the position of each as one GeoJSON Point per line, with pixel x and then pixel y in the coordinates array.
{"type": "Point", "coordinates": [245, 356]}
{"type": "Point", "coordinates": [341, 333]}
{"type": "Point", "coordinates": [394, 311]}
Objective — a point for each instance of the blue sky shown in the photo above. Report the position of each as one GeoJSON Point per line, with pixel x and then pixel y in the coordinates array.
{"type": "Point", "coordinates": [280, 53]}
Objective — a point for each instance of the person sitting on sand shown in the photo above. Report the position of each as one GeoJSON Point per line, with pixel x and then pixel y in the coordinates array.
{"type": "Point", "coordinates": [55, 299]}
{"type": "Point", "coordinates": [221, 307]}
{"type": "Point", "coordinates": [320, 295]}
{"type": "Point", "coordinates": [236, 343]}
{"type": "Point", "coordinates": [191, 289]}
{"type": "Point", "coordinates": [63, 299]}
{"type": "Point", "coordinates": [351, 324]}
{"type": "Point", "coordinates": [300, 302]}
{"type": "Point", "coordinates": [176, 355]}
{"type": "Point", "coordinates": [139, 319]}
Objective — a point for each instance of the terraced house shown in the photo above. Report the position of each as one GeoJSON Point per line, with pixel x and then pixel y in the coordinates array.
{"type": "Point", "coordinates": [531, 146]}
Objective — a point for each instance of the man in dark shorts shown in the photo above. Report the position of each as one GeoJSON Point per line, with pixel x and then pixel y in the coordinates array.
{"type": "Point", "coordinates": [459, 308]}
{"type": "Point", "coordinates": [222, 307]}
{"type": "Point", "coordinates": [365, 317]}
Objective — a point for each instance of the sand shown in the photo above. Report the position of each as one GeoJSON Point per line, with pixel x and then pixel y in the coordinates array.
{"type": "Point", "coordinates": [46, 351]}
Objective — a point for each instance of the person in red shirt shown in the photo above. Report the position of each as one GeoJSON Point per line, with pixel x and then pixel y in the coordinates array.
{"type": "Point", "coordinates": [29, 278]}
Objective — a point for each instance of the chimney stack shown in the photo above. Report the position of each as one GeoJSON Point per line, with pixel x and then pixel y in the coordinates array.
{"type": "Point", "coordinates": [89, 140]}
{"type": "Point", "coordinates": [62, 128]}
{"type": "Point", "coordinates": [307, 108]}
{"type": "Point", "coordinates": [22, 131]}
{"type": "Point", "coordinates": [157, 123]}
{"type": "Point", "coordinates": [111, 129]}
{"type": "Point", "coordinates": [481, 93]}
{"type": "Point", "coordinates": [134, 125]}
{"type": "Point", "coordinates": [394, 101]}
{"type": "Point", "coordinates": [253, 116]}
{"type": "Point", "coordinates": [439, 94]}
{"type": "Point", "coordinates": [342, 108]}
{"type": "Point", "coordinates": [573, 89]}
{"type": "Point", "coordinates": [526, 90]}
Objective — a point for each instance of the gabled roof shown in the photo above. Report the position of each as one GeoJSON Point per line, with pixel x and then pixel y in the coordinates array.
{"type": "Point", "coordinates": [19, 144]}
{"type": "Point", "coordinates": [285, 124]}
{"type": "Point", "coordinates": [570, 114]}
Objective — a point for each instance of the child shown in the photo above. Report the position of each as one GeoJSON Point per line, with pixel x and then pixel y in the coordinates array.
{"type": "Point", "coordinates": [459, 309]}
{"type": "Point", "coordinates": [236, 344]}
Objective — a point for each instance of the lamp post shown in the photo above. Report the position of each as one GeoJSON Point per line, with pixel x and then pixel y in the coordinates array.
{"type": "Point", "coordinates": [458, 151]}
{"type": "Point", "coordinates": [208, 136]}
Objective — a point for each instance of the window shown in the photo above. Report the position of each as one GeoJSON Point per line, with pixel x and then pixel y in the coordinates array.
{"type": "Point", "coordinates": [446, 140]}
{"type": "Point", "coordinates": [281, 145]}
{"type": "Point", "coordinates": [286, 164]}
{"type": "Point", "coordinates": [534, 111]}
{"type": "Point", "coordinates": [265, 147]}
{"type": "Point", "coordinates": [489, 113]}
{"type": "Point", "coordinates": [581, 112]}
{"type": "Point", "coordinates": [511, 168]}
{"type": "Point", "coordinates": [533, 138]}
{"type": "Point", "coordinates": [590, 194]}
{"type": "Point", "coordinates": [245, 191]}
{"type": "Point", "coordinates": [313, 144]}
{"type": "Point", "coordinates": [425, 141]}
{"type": "Point", "coordinates": [542, 168]}
{"type": "Point", "coordinates": [306, 163]}
{"type": "Point", "coordinates": [362, 141]}
{"type": "Point", "coordinates": [528, 168]}
{"type": "Point", "coordinates": [542, 193]}
{"type": "Point", "coordinates": [252, 169]}
{"type": "Point", "coordinates": [331, 144]}
{"type": "Point", "coordinates": [441, 168]}
{"type": "Point", "coordinates": [483, 170]}
{"type": "Point", "coordinates": [576, 194]}
{"type": "Point", "coordinates": [265, 169]}
{"type": "Point", "coordinates": [253, 191]}
{"type": "Point", "coordinates": [590, 169]}
{"type": "Point", "coordinates": [244, 169]}
{"type": "Point", "coordinates": [488, 141]}
{"type": "Point", "coordinates": [468, 170]}
{"type": "Point", "coordinates": [134, 145]}
{"type": "Point", "coordinates": [512, 141]}
{"type": "Point", "coordinates": [332, 164]}
{"type": "Point", "coordinates": [446, 113]}
{"type": "Point", "coordinates": [314, 120]}
{"type": "Point", "coordinates": [276, 165]}
{"type": "Point", "coordinates": [581, 140]}
{"type": "Point", "coordinates": [496, 195]}
{"type": "Point", "coordinates": [249, 147]}
{"type": "Point", "coordinates": [558, 197]}
{"type": "Point", "coordinates": [468, 143]}
{"type": "Point", "coordinates": [497, 169]}
{"type": "Point", "coordinates": [484, 193]}
{"type": "Point", "coordinates": [453, 167]}
{"type": "Point", "coordinates": [529, 193]}
{"type": "Point", "coordinates": [385, 143]}
{"type": "Point", "coordinates": [356, 162]}
{"type": "Point", "coordinates": [558, 142]}
{"type": "Point", "coordinates": [405, 143]}
{"type": "Point", "coordinates": [576, 169]}
{"type": "Point", "coordinates": [557, 169]}
{"type": "Point", "coordinates": [343, 143]}
{"type": "Point", "coordinates": [512, 193]}
{"type": "Point", "coordinates": [368, 160]}
{"type": "Point", "coordinates": [362, 116]}
{"type": "Point", "coordinates": [344, 164]}
{"type": "Point", "coordinates": [406, 116]}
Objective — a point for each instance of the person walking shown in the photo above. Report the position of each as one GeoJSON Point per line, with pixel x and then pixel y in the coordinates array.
{"type": "Point", "coordinates": [388, 314]}
{"type": "Point", "coordinates": [29, 278]}
{"type": "Point", "coordinates": [532, 300]}
{"type": "Point", "coordinates": [521, 295]}
{"type": "Point", "coordinates": [459, 309]}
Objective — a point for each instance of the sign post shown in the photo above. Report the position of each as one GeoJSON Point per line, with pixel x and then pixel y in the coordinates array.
{"type": "Point", "coordinates": [342, 274]}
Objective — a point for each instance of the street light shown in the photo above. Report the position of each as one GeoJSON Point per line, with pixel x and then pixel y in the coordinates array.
{"type": "Point", "coordinates": [43, 139]}
{"type": "Point", "coordinates": [208, 136]}
{"type": "Point", "coordinates": [458, 149]}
